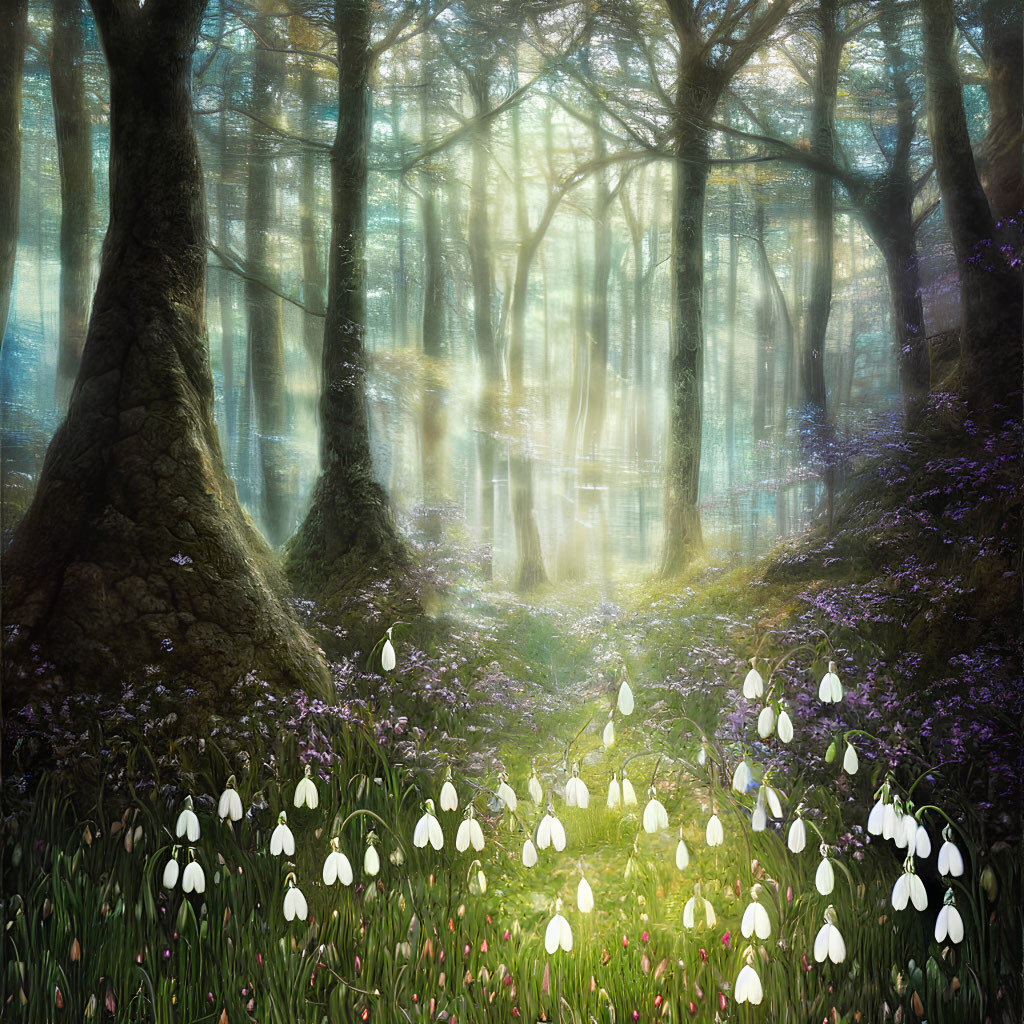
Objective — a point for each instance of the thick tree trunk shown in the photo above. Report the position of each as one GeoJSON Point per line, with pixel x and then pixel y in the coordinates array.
{"type": "Point", "coordinates": [74, 155]}
{"type": "Point", "coordinates": [13, 36]}
{"type": "Point", "coordinates": [349, 525]}
{"type": "Point", "coordinates": [990, 296]}
{"type": "Point", "coordinates": [135, 551]}
{"type": "Point", "coordinates": [266, 338]}
{"type": "Point", "coordinates": [313, 283]}
{"type": "Point", "coordinates": [764, 376]}
{"type": "Point", "coordinates": [529, 562]}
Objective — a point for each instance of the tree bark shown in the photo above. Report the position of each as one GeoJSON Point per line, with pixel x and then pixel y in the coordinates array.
{"type": "Point", "coordinates": [74, 156]}
{"type": "Point", "coordinates": [349, 526]}
{"type": "Point", "coordinates": [313, 283]}
{"type": "Point", "coordinates": [135, 551]}
{"type": "Point", "coordinates": [13, 36]}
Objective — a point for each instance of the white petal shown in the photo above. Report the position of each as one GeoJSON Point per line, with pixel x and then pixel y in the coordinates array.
{"type": "Point", "coordinates": [753, 685]}
{"type": "Point", "coordinates": [774, 804]}
{"type": "Point", "coordinates": [462, 836]}
{"type": "Point", "coordinates": [565, 935]}
{"type": "Point", "coordinates": [741, 777]}
{"type": "Point", "coordinates": [954, 924]}
{"type": "Point", "coordinates": [387, 656]}
{"type": "Point", "coordinates": [534, 789]}
{"type": "Point", "coordinates": [909, 831]}
{"type": "Point", "coordinates": [824, 877]}
{"type": "Point", "coordinates": [797, 839]}
{"type": "Point", "coordinates": [825, 690]}
{"type": "Point", "coordinates": [821, 943]}
{"type": "Point", "coordinates": [923, 843]}
{"type": "Point", "coordinates": [850, 760]}
{"type": "Point", "coordinates": [875, 818]}
{"type": "Point", "coordinates": [570, 792]}
{"type": "Point", "coordinates": [330, 872]}
{"type": "Point", "coordinates": [557, 835]}
{"type": "Point", "coordinates": [449, 797]}
{"type": "Point", "coordinates": [609, 734]}
{"type": "Point", "coordinates": [901, 892]}
{"type": "Point", "coordinates": [942, 924]}
{"type": "Point", "coordinates": [709, 914]}
{"type": "Point", "coordinates": [747, 921]}
{"type": "Point", "coordinates": [625, 701]}
{"type": "Point", "coordinates": [371, 861]}
{"type": "Point", "coordinates": [682, 856]}
{"type": "Point", "coordinates": [759, 819]}
{"type": "Point", "coordinates": [584, 897]}
{"type": "Point", "coordinates": [762, 922]}
{"type": "Point", "coordinates": [889, 821]}
{"type": "Point", "coordinates": [836, 946]}
{"type": "Point", "coordinates": [476, 834]}
{"type": "Point", "coordinates": [507, 795]}
{"type": "Point", "coordinates": [918, 893]}
{"type": "Point", "coordinates": [420, 833]}
{"type": "Point", "coordinates": [171, 872]}
{"type": "Point", "coordinates": [552, 934]}
{"type": "Point", "coordinates": [582, 794]}
{"type": "Point", "coordinates": [651, 816]}
{"type": "Point", "coordinates": [688, 912]}
{"type": "Point", "coordinates": [714, 834]}
{"type": "Point", "coordinates": [785, 727]}
{"type": "Point", "coordinates": [614, 796]}
{"type": "Point", "coordinates": [529, 854]}
{"type": "Point", "coordinates": [837, 689]}
{"type": "Point", "coordinates": [628, 794]}
{"type": "Point", "coordinates": [435, 833]}
{"type": "Point", "coordinates": [544, 832]}
{"type": "Point", "coordinates": [766, 722]}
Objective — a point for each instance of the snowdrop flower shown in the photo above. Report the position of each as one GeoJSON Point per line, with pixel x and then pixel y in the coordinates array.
{"type": "Point", "coordinates": [949, 924]}
{"type": "Point", "coordinates": [192, 878]}
{"type": "Point", "coordinates": [682, 853]}
{"type": "Point", "coordinates": [558, 932]}
{"type": "Point", "coordinates": [477, 879]}
{"type": "Point", "coordinates": [771, 797]}
{"type": "Point", "coordinates": [714, 834]}
{"type": "Point", "coordinates": [609, 732]}
{"type": "Point", "coordinates": [766, 722]}
{"type": "Point", "coordinates": [825, 876]}
{"type": "Point", "coordinates": [614, 795]}
{"type": "Point", "coordinates": [797, 838]}
{"type": "Point", "coordinates": [951, 862]}
{"type": "Point", "coordinates": [337, 867]}
{"type": "Point", "coordinates": [891, 822]}
{"type": "Point", "coordinates": [387, 654]}
{"type": "Point", "coordinates": [628, 794]}
{"type": "Point", "coordinates": [785, 727]}
{"type": "Point", "coordinates": [576, 792]}
{"type": "Point", "coordinates": [534, 787]}
{"type": "Point", "coordinates": [702, 754]}
{"type": "Point", "coordinates": [850, 760]}
{"type": "Point", "coordinates": [753, 684]}
{"type": "Point", "coordinates": [828, 942]}
{"type": "Point", "coordinates": [748, 986]}
{"type": "Point", "coordinates": [625, 699]}
{"type": "Point", "coordinates": [371, 859]}
{"type": "Point", "coordinates": [282, 840]}
{"type": "Point", "coordinates": [759, 817]}
{"type": "Point", "coordinates": [171, 871]}
{"type": "Point", "coordinates": [910, 888]}
{"type": "Point", "coordinates": [550, 832]}
{"type": "Point", "coordinates": [876, 816]}
{"type": "Point", "coordinates": [187, 824]}
{"type": "Point", "coordinates": [507, 795]}
{"type": "Point", "coordinates": [655, 815]}
{"type": "Point", "coordinates": [529, 854]}
{"type": "Point", "coordinates": [698, 902]}
{"type": "Point", "coordinates": [830, 690]}
{"type": "Point", "coordinates": [428, 828]}
{"type": "Point", "coordinates": [906, 832]}
{"type": "Point", "coordinates": [305, 792]}
{"type": "Point", "coordinates": [469, 832]}
{"type": "Point", "coordinates": [229, 806]}
{"type": "Point", "coordinates": [294, 901]}
{"type": "Point", "coordinates": [922, 843]}
{"type": "Point", "coordinates": [755, 919]}
{"type": "Point", "coordinates": [742, 777]}
{"type": "Point", "coordinates": [449, 798]}
{"type": "Point", "coordinates": [584, 896]}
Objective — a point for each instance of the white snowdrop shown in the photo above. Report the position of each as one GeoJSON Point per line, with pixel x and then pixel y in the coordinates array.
{"type": "Point", "coordinates": [825, 876]}
{"type": "Point", "coordinates": [576, 792]}
{"type": "Point", "coordinates": [628, 793]}
{"type": "Point", "coordinates": [742, 777]}
{"type": "Point", "coordinates": [909, 888]}
{"type": "Point", "coordinates": [584, 896]}
{"type": "Point", "coordinates": [337, 867]}
{"type": "Point", "coordinates": [951, 861]}
{"type": "Point", "coordinates": [305, 792]}
{"type": "Point", "coordinates": [828, 943]}
{"type": "Point", "coordinates": [755, 920]}
{"type": "Point", "coordinates": [529, 854]}
{"type": "Point", "coordinates": [193, 878]}
{"type": "Point", "coordinates": [797, 837]}
{"type": "Point", "coordinates": [784, 728]}
{"type": "Point", "coordinates": [908, 839]}
{"type": "Point", "coordinates": [753, 684]}
{"type": "Point", "coordinates": [698, 902]}
{"type": "Point", "coordinates": [766, 722]}
{"type": "Point", "coordinates": [759, 817]}
{"type": "Point", "coordinates": [428, 828]}
{"type": "Point", "coordinates": [171, 872]}
{"type": "Point", "coordinates": [229, 806]}
{"type": "Point", "coordinates": [371, 859]}
{"type": "Point", "coordinates": [748, 986]}
{"type": "Point", "coordinates": [625, 699]}
{"type": "Point", "coordinates": [682, 853]}
{"type": "Point", "coordinates": [655, 815]}
{"type": "Point", "coordinates": [714, 834]}
{"type": "Point", "coordinates": [449, 797]}
{"type": "Point", "coordinates": [771, 797]}
{"type": "Point", "coordinates": [608, 738]}
{"type": "Point", "coordinates": [550, 832]}
{"type": "Point", "coordinates": [387, 654]}
{"type": "Point", "coordinates": [875, 818]}
{"type": "Point", "coordinates": [187, 825]}
{"type": "Point", "coordinates": [558, 933]}
{"type": "Point", "coordinates": [949, 923]}
{"type": "Point", "coordinates": [281, 839]}
{"type": "Point", "coordinates": [507, 795]}
{"type": "Point", "coordinates": [614, 793]}
{"type": "Point", "coordinates": [294, 902]}
{"type": "Point", "coordinates": [469, 833]}
{"type": "Point", "coordinates": [891, 821]}
{"type": "Point", "coordinates": [534, 788]}
{"type": "Point", "coordinates": [850, 760]}
{"type": "Point", "coordinates": [830, 689]}
{"type": "Point", "coordinates": [922, 843]}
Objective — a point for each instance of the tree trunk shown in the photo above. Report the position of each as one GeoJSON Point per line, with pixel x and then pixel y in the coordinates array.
{"type": "Point", "coordinates": [763, 336]}
{"type": "Point", "coordinates": [13, 36]}
{"type": "Point", "coordinates": [530, 561]}
{"type": "Point", "coordinates": [597, 380]}
{"type": "Point", "coordinates": [74, 155]}
{"type": "Point", "coordinates": [349, 526]}
{"type": "Point", "coordinates": [135, 551]}
{"type": "Point", "coordinates": [990, 296]}
{"type": "Point", "coordinates": [479, 232]}
{"type": "Point", "coordinates": [266, 339]}
{"type": "Point", "coordinates": [730, 312]}
{"type": "Point", "coordinates": [313, 283]}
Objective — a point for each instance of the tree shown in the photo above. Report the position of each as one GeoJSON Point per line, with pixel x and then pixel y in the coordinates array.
{"type": "Point", "coordinates": [134, 550]}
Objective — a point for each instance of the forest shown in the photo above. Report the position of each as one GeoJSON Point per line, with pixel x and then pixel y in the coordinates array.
{"type": "Point", "coordinates": [512, 509]}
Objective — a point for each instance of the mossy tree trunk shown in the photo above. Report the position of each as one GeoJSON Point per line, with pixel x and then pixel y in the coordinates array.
{"type": "Point", "coordinates": [13, 35]}
{"type": "Point", "coordinates": [135, 551]}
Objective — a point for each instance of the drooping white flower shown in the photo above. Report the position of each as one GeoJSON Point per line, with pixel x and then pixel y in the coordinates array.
{"type": "Point", "coordinates": [294, 902]}
{"type": "Point", "coordinates": [909, 888]}
{"type": "Point", "coordinates": [428, 828]}
{"type": "Point", "coordinates": [371, 859]}
{"type": "Point", "coordinates": [507, 795]}
{"type": "Point", "coordinates": [755, 920]}
{"type": "Point", "coordinates": [608, 737]}
{"type": "Point", "coordinates": [281, 840]}
{"type": "Point", "coordinates": [305, 792]}
{"type": "Point", "coordinates": [187, 824]}
{"type": "Point", "coordinates": [628, 793]}
{"type": "Point", "coordinates": [830, 689]}
{"type": "Point", "coordinates": [922, 843]}
{"type": "Point", "coordinates": [797, 838]}
{"type": "Point", "coordinates": [771, 797]}
{"type": "Point", "coordinates": [753, 684]}
{"type": "Point", "coordinates": [828, 942]}
{"type": "Point", "coordinates": [193, 878]}
{"type": "Point", "coordinates": [682, 853]}
{"type": "Point", "coordinates": [576, 792]}
{"type": "Point", "coordinates": [625, 699]}
{"type": "Point", "coordinates": [584, 897]}
{"type": "Point", "coordinates": [891, 821]}
{"type": "Point", "coordinates": [766, 722]}
{"type": "Point", "coordinates": [387, 654]}
{"type": "Point", "coordinates": [748, 986]}
{"type": "Point", "coordinates": [229, 806]}
{"type": "Point", "coordinates": [550, 832]}
{"type": "Point", "coordinates": [908, 839]}
{"type": "Point", "coordinates": [529, 854]}
{"type": "Point", "coordinates": [949, 923]}
{"type": "Point", "coordinates": [785, 727]}
{"type": "Point", "coordinates": [469, 832]}
{"type": "Point", "coordinates": [698, 902]}
{"type": "Point", "coordinates": [875, 818]}
{"type": "Point", "coordinates": [171, 872]}
{"type": "Point", "coordinates": [449, 797]}
{"type": "Point", "coordinates": [477, 879]}
{"type": "Point", "coordinates": [850, 760]}
{"type": "Point", "coordinates": [558, 933]}
{"type": "Point", "coordinates": [337, 867]}
{"type": "Point", "coordinates": [742, 777]}
{"type": "Point", "coordinates": [534, 788]}
{"type": "Point", "coordinates": [614, 793]}
{"type": "Point", "coordinates": [714, 834]}
{"type": "Point", "coordinates": [825, 876]}
{"type": "Point", "coordinates": [655, 815]}
{"type": "Point", "coordinates": [759, 817]}
{"type": "Point", "coordinates": [951, 861]}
